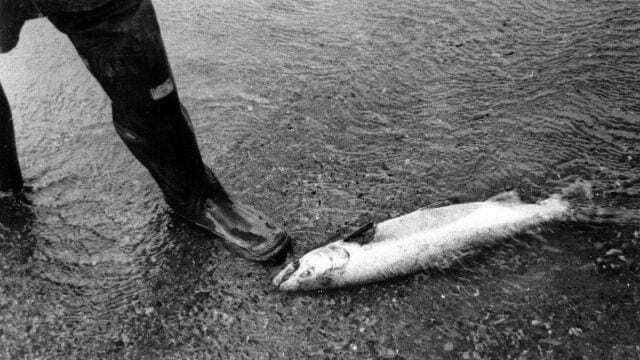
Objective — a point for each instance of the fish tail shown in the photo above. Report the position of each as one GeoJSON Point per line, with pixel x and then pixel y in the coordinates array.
{"type": "Point", "coordinates": [579, 199]}
{"type": "Point", "coordinates": [585, 209]}
{"type": "Point", "coordinates": [578, 193]}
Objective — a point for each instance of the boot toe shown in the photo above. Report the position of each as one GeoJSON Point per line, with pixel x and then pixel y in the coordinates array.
{"type": "Point", "coordinates": [245, 230]}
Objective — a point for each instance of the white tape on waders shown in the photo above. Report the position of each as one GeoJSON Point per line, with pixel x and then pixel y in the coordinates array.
{"type": "Point", "coordinates": [162, 90]}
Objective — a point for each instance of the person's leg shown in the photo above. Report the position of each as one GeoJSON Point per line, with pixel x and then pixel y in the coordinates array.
{"type": "Point", "coordinates": [10, 176]}
{"type": "Point", "coordinates": [121, 44]}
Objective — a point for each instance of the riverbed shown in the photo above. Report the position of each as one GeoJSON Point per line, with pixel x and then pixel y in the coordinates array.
{"type": "Point", "coordinates": [327, 115]}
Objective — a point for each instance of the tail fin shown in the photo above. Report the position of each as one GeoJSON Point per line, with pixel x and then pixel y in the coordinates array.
{"type": "Point", "coordinates": [585, 208]}
{"type": "Point", "coordinates": [578, 193]}
{"type": "Point", "coordinates": [578, 196]}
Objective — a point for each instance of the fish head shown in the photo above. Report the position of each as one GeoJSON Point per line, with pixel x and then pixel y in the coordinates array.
{"type": "Point", "coordinates": [316, 270]}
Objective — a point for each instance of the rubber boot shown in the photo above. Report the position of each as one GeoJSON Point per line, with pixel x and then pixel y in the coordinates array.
{"type": "Point", "coordinates": [10, 175]}
{"type": "Point", "coordinates": [121, 44]}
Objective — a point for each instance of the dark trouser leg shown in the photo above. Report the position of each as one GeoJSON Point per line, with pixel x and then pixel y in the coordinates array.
{"type": "Point", "coordinates": [122, 46]}
{"type": "Point", "coordinates": [10, 176]}
{"type": "Point", "coordinates": [161, 138]}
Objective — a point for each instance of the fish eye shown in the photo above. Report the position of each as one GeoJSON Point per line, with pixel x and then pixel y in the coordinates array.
{"type": "Point", "coordinates": [306, 273]}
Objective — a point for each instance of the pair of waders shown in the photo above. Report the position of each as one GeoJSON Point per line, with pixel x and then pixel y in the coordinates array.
{"type": "Point", "coordinates": [120, 42]}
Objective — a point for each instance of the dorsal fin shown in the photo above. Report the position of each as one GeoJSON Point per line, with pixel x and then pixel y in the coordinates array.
{"type": "Point", "coordinates": [507, 197]}
{"type": "Point", "coordinates": [359, 236]}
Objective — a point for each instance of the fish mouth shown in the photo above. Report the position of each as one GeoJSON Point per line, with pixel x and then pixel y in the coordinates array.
{"type": "Point", "coordinates": [285, 274]}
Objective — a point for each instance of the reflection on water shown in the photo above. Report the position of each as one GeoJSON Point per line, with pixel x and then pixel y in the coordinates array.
{"type": "Point", "coordinates": [15, 230]}
{"type": "Point", "coordinates": [326, 114]}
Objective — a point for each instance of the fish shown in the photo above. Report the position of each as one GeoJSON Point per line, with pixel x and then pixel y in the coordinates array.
{"type": "Point", "coordinates": [426, 238]}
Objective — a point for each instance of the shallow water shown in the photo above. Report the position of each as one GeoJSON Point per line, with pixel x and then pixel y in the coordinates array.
{"type": "Point", "coordinates": [326, 115]}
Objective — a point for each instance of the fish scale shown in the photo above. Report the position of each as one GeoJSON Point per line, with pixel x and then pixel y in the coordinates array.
{"type": "Point", "coordinates": [428, 237]}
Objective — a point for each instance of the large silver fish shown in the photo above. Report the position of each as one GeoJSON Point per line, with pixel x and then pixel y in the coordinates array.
{"type": "Point", "coordinates": [418, 240]}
